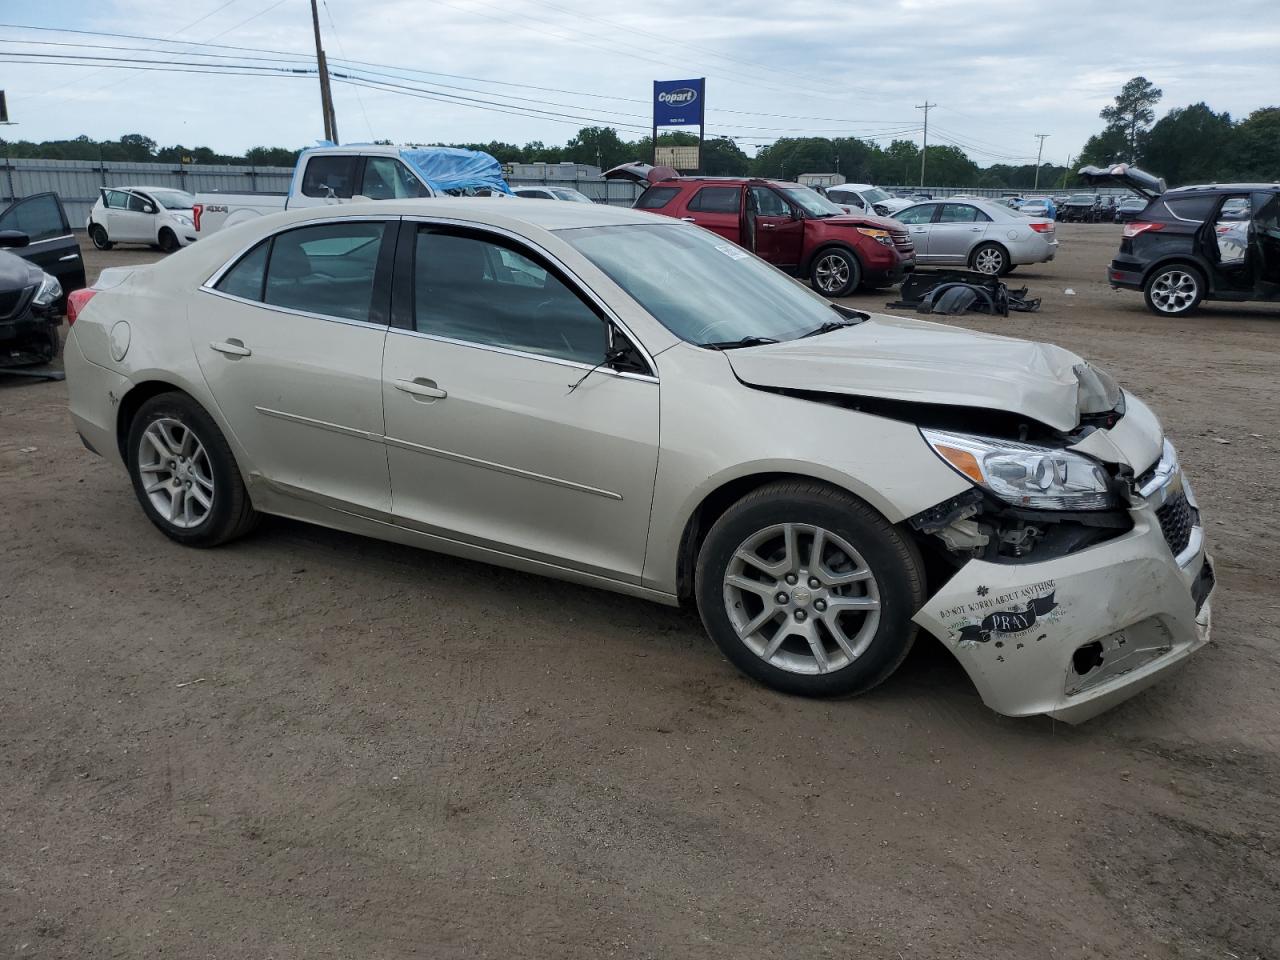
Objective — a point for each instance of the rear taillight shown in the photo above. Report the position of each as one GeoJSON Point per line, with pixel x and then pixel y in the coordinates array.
{"type": "Point", "coordinates": [1135, 228]}
{"type": "Point", "coordinates": [196, 210]}
{"type": "Point", "coordinates": [76, 302]}
{"type": "Point", "coordinates": [1042, 226]}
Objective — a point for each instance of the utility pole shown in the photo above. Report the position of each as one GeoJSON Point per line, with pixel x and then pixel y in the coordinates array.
{"type": "Point", "coordinates": [1039, 154]}
{"type": "Point", "coordinates": [924, 149]}
{"type": "Point", "coordinates": [326, 94]}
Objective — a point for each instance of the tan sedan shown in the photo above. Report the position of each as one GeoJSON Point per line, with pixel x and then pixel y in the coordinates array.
{"type": "Point", "coordinates": [631, 402]}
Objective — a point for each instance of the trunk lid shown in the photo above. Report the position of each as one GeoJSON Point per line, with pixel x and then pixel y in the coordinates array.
{"type": "Point", "coordinates": [1122, 174]}
{"type": "Point", "coordinates": [643, 173]}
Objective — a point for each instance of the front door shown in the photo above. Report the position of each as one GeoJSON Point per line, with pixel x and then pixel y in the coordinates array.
{"type": "Point", "coordinates": [503, 427]}
{"type": "Point", "coordinates": [290, 343]}
{"type": "Point", "coordinates": [53, 246]}
{"type": "Point", "coordinates": [919, 222]}
{"type": "Point", "coordinates": [1266, 243]}
{"type": "Point", "coordinates": [125, 218]}
{"type": "Point", "coordinates": [779, 237]}
{"type": "Point", "coordinates": [718, 209]}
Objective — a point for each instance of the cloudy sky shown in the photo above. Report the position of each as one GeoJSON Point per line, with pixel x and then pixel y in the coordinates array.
{"type": "Point", "coordinates": [1000, 71]}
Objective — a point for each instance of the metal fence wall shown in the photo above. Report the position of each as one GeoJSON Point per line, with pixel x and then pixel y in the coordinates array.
{"type": "Point", "coordinates": [77, 182]}
{"type": "Point", "coordinates": [997, 192]}
{"type": "Point", "coordinates": [618, 193]}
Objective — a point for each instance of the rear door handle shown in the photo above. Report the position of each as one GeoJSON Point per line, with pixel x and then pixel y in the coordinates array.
{"type": "Point", "coordinates": [689, 219]}
{"type": "Point", "coordinates": [69, 256]}
{"type": "Point", "coordinates": [768, 226]}
{"type": "Point", "coordinates": [232, 348]}
{"type": "Point", "coordinates": [421, 387]}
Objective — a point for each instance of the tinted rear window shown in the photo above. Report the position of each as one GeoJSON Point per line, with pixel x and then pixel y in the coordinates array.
{"type": "Point", "coordinates": [655, 198]}
{"type": "Point", "coordinates": [1195, 209]}
{"type": "Point", "coordinates": [717, 200]}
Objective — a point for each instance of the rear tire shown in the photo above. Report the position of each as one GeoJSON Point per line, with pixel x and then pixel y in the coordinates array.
{"type": "Point", "coordinates": [991, 259]}
{"type": "Point", "coordinates": [833, 618]}
{"type": "Point", "coordinates": [168, 241]}
{"type": "Point", "coordinates": [184, 473]}
{"type": "Point", "coordinates": [98, 234]}
{"type": "Point", "coordinates": [835, 273]}
{"type": "Point", "coordinates": [1174, 290]}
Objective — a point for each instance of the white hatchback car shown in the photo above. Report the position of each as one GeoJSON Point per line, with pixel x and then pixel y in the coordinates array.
{"type": "Point", "coordinates": [157, 216]}
{"type": "Point", "coordinates": [628, 401]}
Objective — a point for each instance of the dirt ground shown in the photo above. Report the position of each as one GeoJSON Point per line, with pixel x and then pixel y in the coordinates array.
{"type": "Point", "coordinates": [309, 744]}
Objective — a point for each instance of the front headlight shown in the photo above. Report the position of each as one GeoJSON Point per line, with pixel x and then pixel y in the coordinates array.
{"type": "Point", "coordinates": [182, 218]}
{"type": "Point", "coordinates": [879, 236]}
{"type": "Point", "coordinates": [50, 290]}
{"type": "Point", "coordinates": [1024, 474]}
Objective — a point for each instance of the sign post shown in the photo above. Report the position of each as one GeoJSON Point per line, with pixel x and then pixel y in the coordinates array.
{"type": "Point", "coordinates": [679, 103]}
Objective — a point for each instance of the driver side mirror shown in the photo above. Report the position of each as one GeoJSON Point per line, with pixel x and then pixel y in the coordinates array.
{"type": "Point", "coordinates": [148, 208]}
{"type": "Point", "coordinates": [13, 238]}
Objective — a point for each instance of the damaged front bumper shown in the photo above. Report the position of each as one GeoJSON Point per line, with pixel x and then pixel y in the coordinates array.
{"type": "Point", "coordinates": [1075, 635]}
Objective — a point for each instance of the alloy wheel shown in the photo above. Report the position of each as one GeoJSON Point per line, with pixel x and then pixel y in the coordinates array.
{"type": "Point", "coordinates": [801, 598]}
{"type": "Point", "coordinates": [1174, 291]}
{"type": "Point", "coordinates": [989, 260]}
{"type": "Point", "coordinates": [832, 273]}
{"type": "Point", "coordinates": [177, 476]}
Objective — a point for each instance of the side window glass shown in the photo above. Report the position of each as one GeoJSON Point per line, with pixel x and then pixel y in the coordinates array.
{"type": "Point", "coordinates": [39, 218]}
{"type": "Point", "coordinates": [483, 292]}
{"type": "Point", "coordinates": [717, 200]}
{"type": "Point", "coordinates": [326, 269]}
{"type": "Point", "coordinates": [958, 213]}
{"type": "Point", "coordinates": [655, 198]}
{"type": "Point", "coordinates": [1232, 229]}
{"type": "Point", "coordinates": [769, 204]}
{"type": "Point", "coordinates": [136, 203]}
{"type": "Point", "coordinates": [386, 178]}
{"type": "Point", "coordinates": [117, 200]}
{"type": "Point", "coordinates": [917, 215]}
{"type": "Point", "coordinates": [246, 277]}
{"type": "Point", "coordinates": [329, 176]}
{"type": "Point", "coordinates": [1193, 209]}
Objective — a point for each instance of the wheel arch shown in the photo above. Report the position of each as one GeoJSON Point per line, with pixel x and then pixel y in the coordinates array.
{"type": "Point", "coordinates": [1198, 264]}
{"type": "Point", "coordinates": [988, 242]}
{"type": "Point", "coordinates": [807, 264]}
{"type": "Point", "coordinates": [718, 500]}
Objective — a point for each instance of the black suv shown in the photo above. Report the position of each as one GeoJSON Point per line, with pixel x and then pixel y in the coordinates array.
{"type": "Point", "coordinates": [1219, 242]}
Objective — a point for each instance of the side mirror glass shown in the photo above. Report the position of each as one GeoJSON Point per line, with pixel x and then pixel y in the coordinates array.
{"type": "Point", "coordinates": [13, 238]}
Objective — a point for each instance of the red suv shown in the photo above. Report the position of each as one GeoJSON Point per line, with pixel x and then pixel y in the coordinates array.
{"type": "Point", "coordinates": [790, 226]}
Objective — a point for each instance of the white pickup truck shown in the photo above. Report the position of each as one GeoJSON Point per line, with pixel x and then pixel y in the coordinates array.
{"type": "Point", "coordinates": [358, 172]}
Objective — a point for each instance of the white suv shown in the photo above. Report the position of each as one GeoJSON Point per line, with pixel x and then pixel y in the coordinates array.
{"type": "Point", "coordinates": [157, 216]}
{"type": "Point", "coordinates": [864, 198]}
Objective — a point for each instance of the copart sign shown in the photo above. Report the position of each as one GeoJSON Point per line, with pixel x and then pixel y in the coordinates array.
{"type": "Point", "coordinates": [678, 103]}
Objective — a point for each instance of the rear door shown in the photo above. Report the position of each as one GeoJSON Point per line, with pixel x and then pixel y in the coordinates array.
{"type": "Point", "coordinates": [1266, 243]}
{"type": "Point", "coordinates": [53, 246]}
{"type": "Point", "coordinates": [289, 340]}
{"type": "Point", "coordinates": [958, 229]}
{"type": "Point", "coordinates": [717, 208]}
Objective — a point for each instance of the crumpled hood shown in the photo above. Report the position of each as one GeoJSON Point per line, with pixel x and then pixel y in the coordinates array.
{"type": "Point", "coordinates": [915, 360]}
{"type": "Point", "coordinates": [865, 220]}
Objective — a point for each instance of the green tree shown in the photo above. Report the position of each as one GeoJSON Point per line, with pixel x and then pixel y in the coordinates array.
{"type": "Point", "coordinates": [1103, 148]}
{"type": "Point", "coordinates": [721, 157]}
{"type": "Point", "coordinates": [1255, 153]}
{"type": "Point", "coordinates": [1190, 144]}
{"type": "Point", "coordinates": [598, 145]}
{"type": "Point", "coordinates": [1132, 113]}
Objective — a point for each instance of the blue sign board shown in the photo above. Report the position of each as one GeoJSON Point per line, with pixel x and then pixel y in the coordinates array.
{"type": "Point", "coordinates": [678, 103]}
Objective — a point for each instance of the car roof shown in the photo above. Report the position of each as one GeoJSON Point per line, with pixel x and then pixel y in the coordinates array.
{"type": "Point", "coordinates": [486, 211]}
{"type": "Point", "coordinates": [679, 181]}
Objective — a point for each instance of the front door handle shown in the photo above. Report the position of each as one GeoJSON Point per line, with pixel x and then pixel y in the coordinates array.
{"type": "Point", "coordinates": [421, 387]}
{"type": "Point", "coordinates": [688, 219]}
{"type": "Point", "coordinates": [976, 229]}
{"type": "Point", "coordinates": [768, 226]}
{"type": "Point", "coordinates": [232, 348]}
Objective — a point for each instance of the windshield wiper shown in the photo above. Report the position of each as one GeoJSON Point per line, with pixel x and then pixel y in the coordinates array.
{"type": "Point", "coordinates": [829, 326]}
{"type": "Point", "coordinates": [734, 344]}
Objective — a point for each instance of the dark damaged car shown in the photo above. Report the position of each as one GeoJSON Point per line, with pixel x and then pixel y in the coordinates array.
{"type": "Point", "coordinates": [1191, 244]}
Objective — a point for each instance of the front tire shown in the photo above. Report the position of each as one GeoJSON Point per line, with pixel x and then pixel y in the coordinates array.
{"type": "Point", "coordinates": [835, 273]}
{"type": "Point", "coordinates": [808, 590]}
{"type": "Point", "coordinates": [168, 241]}
{"type": "Point", "coordinates": [98, 234]}
{"type": "Point", "coordinates": [991, 259]}
{"type": "Point", "coordinates": [1174, 291]}
{"type": "Point", "coordinates": [185, 475]}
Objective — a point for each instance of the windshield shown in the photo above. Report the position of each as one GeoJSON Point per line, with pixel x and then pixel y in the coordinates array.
{"type": "Point", "coordinates": [875, 195]}
{"type": "Point", "coordinates": [1081, 198]}
{"type": "Point", "coordinates": [173, 199]}
{"type": "Point", "coordinates": [811, 202]}
{"type": "Point", "coordinates": [564, 193]}
{"type": "Point", "coordinates": [700, 286]}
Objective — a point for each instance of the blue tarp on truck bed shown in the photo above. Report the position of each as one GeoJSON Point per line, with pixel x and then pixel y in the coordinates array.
{"type": "Point", "coordinates": [449, 169]}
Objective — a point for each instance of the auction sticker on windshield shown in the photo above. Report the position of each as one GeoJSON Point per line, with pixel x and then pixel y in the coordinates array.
{"type": "Point", "coordinates": [732, 252]}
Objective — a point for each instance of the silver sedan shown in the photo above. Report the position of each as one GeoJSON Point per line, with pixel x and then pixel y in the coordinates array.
{"type": "Point", "coordinates": [987, 237]}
